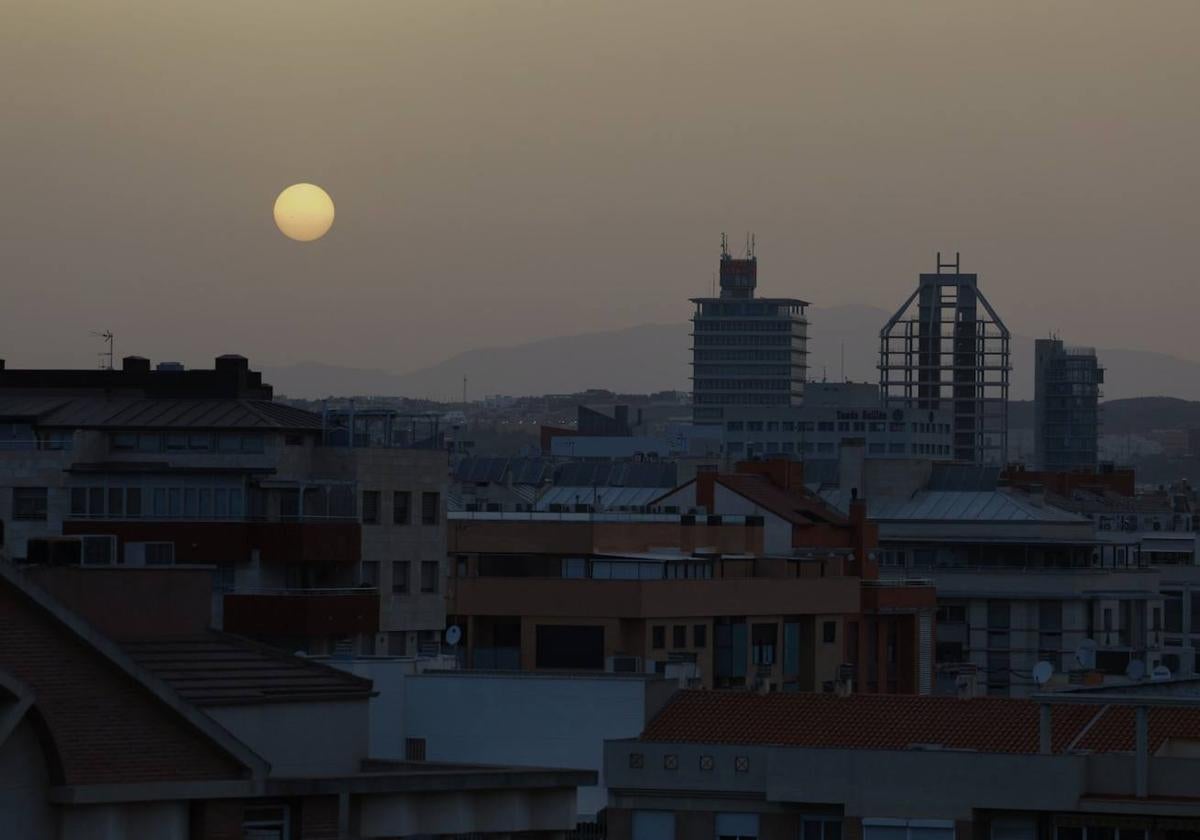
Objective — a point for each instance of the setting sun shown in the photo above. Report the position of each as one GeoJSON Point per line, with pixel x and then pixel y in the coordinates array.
{"type": "Point", "coordinates": [304, 212]}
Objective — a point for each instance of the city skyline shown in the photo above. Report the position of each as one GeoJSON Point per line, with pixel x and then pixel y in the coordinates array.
{"type": "Point", "coordinates": [496, 186]}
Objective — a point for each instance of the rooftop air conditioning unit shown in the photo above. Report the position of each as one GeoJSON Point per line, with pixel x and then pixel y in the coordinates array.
{"type": "Point", "coordinates": [623, 665]}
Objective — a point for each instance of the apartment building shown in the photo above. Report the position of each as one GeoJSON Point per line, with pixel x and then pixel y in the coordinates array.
{"type": "Point", "coordinates": [1068, 766]}
{"type": "Point", "coordinates": [327, 531]}
{"type": "Point", "coordinates": [780, 594]}
{"type": "Point", "coordinates": [1019, 580]}
{"type": "Point", "coordinates": [1066, 406]}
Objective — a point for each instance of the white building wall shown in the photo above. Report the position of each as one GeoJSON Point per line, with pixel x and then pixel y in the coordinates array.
{"type": "Point", "coordinates": [777, 532]}
{"type": "Point", "coordinates": [301, 739]}
{"type": "Point", "coordinates": [529, 719]}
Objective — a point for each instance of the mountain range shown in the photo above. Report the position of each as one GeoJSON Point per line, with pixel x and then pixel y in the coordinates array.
{"type": "Point", "coordinates": [843, 343]}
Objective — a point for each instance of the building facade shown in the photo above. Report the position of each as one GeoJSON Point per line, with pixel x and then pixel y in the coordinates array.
{"type": "Point", "coordinates": [749, 354]}
{"type": "Point", "coordinates": [731, 581]}
{"type": "Point", "coordinates": [823, 767]}
{"type": "Point", "coordinates": [321, 540]}
{"type": "Point", "coordinates": [1066, 406]}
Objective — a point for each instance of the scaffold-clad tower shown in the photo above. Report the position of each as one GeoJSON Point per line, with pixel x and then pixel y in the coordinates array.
{"type": "Point", "coordinates": [947, 348]}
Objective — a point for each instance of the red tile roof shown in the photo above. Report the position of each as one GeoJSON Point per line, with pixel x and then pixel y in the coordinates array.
{"type": "Point", "coordinates": [797, 507]}
{"type": "Point", "coordinates": [894, 722]}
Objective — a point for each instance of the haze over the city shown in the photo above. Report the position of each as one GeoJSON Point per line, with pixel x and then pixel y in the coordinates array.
{"type": "Point", "coordinates": [508, 173]}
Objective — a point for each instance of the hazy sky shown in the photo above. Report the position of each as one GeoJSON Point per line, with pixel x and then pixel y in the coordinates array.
{"type": "Point", "coordinates": [515, 170]}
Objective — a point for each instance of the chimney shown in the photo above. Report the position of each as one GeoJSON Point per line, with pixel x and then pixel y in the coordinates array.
{"type": "Point", "coordinates": [852, 457]}
{"type": "Point", "coordinates": [135, 364]}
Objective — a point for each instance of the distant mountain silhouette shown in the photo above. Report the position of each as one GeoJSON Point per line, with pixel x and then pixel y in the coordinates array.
{"type": "Point", "coordinates": [655, 357]}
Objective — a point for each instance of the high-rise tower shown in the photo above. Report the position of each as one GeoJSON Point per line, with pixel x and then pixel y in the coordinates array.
{"type": "Point", "coordinates": [748, 353]}
{"type": "Point", "coordinates": [1066, 411]}
{"type": "Point", "coordinates": [947, 348]}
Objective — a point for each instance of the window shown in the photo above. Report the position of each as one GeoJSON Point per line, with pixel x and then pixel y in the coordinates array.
{"type": "Point", "coordinates": [886, 829]}
{"type": "Point", "coordinates": [160, 554]}
{"type": "Point", "coordinates": [737, 826]}
{"type": "Point", "coordinates": [29, 503]}
{"type": "Point", "coordinates": [821, 828]}
{"type": "Point", "coordinates": [133, 502]}
{"type": "Point", "coordinates": [116, 502]}
{"type": "Point", "coordinates": [431, 504]}
{"type": "Point", "coordinates": [79, 501]}
{"type": "Point", "coordinates": [265, 823]}
{"type": "Point", "coordinates": [700, 636]}
{"type": "Point", "coordinates": [429, 575]}
{"type": "Point", "coordinates": [370, 573]}
{"type": "Point", "coordinates": [829, 632]}
{"type": "Point", "coordinates": [370, 507]}
{"type": "Point", "coordinates": [414, 749]}
{"type": "Point", "coordinates": [658, 637]}
{"type": "Point", "coordinates": [653, 825]}
{"type": "Point", "coordinates": [96, 501]}
{"type": "Point", "coordinates": [399, 576]}
{"type": "Point", "coordinates": [762, 644]}
{"type": "Point", "coordinates": [199, 442]}
{"type": "Point", "coordinates": [124, 442]}
{"type": "Point", "coordinates": [679, 636]}
{"type": "Point", "coordinates": [1173, 611]}
{"type": "Point", "coordinates": [401, 507]}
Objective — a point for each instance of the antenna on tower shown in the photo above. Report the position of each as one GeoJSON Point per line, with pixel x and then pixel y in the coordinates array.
{"type": "Point", "coordinates": [724, 246]}
{"type": "Point", "coordinates": [749, 253]}
{"type": "Point", "coordinates": [753, 247]}
{"type": "Point", "coordinates": [941, 265]}
{"type": "Point", "coordinates": [464, 390]}
{"type": "Point", "coordinates": [107, 338]}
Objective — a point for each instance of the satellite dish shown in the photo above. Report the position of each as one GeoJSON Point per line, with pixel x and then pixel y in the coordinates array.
{"type": "Point", "coordinates": [453, 635]}
{"type": "Point", "coordinates": [1085, 654]}
{"type": "Point", "coordinates": [1042, 672]}
{"type": "Point", "coordinates": [1136, 669]}
{"type": "Point", "coordinates": [1161, 673]}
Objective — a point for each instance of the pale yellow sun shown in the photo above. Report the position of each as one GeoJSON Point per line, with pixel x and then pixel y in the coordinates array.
{"type": "Point", "coordinates": [304, 212]}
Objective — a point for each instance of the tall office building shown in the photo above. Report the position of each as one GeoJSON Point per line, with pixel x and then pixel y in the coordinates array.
{"type": "Point", "coordinates": [749, 354]}
{"type": "Point", "coordinates": [1066, 407]}
{"type": "Point", "coordinates": [947, 348]}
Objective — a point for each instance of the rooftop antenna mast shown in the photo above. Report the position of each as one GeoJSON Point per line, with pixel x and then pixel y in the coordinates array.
{"type": "Point", "coordinates": [107, 338]}
{"type": "Point", "coordinates": [724, 246]}
{"type": "Point", "coordinates": [941, 265]}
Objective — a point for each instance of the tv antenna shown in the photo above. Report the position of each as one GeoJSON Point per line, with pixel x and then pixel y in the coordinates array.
{"type": "Point", "coordinates": [107, 338]}
{"type": "Point", "coordinates": [1085, 654]}
{"type": "Point", "coordinates": [1135, 670]}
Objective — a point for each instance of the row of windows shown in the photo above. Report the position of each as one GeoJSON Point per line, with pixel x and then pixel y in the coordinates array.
{"type": "Point", "coordinates": [743, 384]}
{"type": "Point", "coordinates": [741, 399]}
{"type": "Point", "coordinates": [742, 370]}
{"type": "Point", "coordinates": [169, 502]}
{"type": "Point", "coordinates": [402, 573]}
{"type": "Point", "coordinates": [186, 442]}
{"type": "Point", "coordinates": [658, 636]}
{"type": "Point", "coordinates": [723, 325]}
{"type": "Point", "coordinates": [431, 505]}
{"type": "Point", "coordinates": [831, 426]}
{"type": "Point", "coordinates": [750, 307]}
{"type": "Point", "coordinates": [786, 447]}
{"type": "Point", "coordinates": [743, 355]}
{"type": "Point", "coordinates": [736, 340]}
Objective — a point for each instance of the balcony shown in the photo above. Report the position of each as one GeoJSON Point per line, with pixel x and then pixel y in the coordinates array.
{"type": "Point", "coordinates": [302, 613]}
